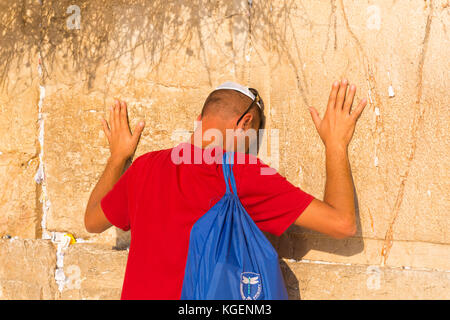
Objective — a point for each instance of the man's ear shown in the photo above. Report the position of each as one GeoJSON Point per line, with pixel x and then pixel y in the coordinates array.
{"type": "Point", "coordinates": [246, 122]}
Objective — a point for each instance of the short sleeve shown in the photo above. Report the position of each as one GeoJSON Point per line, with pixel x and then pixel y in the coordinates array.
{"type": "Point", "coordinates": [115, 204]}
{"type": "Point", "coordinates": [272, 202]}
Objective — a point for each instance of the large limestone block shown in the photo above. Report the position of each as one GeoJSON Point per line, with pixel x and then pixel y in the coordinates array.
{"type": "Point", "coordinates": [307, 281]}
{"type": "Point", "coordinates": [19, 96]}
{"type": "Point", "coordinates": [424, 211]}
{"type": "Point", "coordinates": [397, 150]}
{"type": "Point", "coordinates": [20, 215]}
{"type": "Point", "coordinates": [27, 269]}
{"type": "Point", "coordinates": [93, 272]}
{"type": "Point", "coordinates": [356, 250]}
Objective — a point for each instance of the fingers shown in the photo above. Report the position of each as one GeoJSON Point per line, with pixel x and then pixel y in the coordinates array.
{"type": "Point", "coordinates": [341, 94]}
{"type": "Point", "coordinates": [116, 116]}
{"type": "Point", "coordinates": [111, 117]}
{"type": "Point", "coordinates": [315, 117]}
{"type": "Point", "coordinates": [123, 115]}
{"type": "Point", "coordinates": [333, 95]}
{"type": "Point", "coordinates": [138, 130]}
{"type": "Point", "coordinates": [349, 99]}
{"type": "Point", "coordinates": [359, 109]}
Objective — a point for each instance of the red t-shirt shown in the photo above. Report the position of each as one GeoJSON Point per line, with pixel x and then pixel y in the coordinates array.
{"type": "Point", "coordinates": [160, 200]}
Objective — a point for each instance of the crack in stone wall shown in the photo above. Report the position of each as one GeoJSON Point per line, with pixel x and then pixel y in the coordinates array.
{"type": "Point", "coordinates": [419, 112]}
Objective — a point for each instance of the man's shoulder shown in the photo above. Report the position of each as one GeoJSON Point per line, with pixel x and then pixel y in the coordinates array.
{"type": "Point", "coordinates": [241, 158]}
{"type": "Point", "coordinates": [250, 166]}
{"type": "Point", "coordinates": [149, 156]}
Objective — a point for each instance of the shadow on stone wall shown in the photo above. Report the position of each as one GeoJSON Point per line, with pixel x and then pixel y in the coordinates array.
{"type": "Point", "coordinates": [112, 29]}
{"type": "Point", "coordinates": [109, 29]}
{"type": "Point", "coordinates": [291, 281]}
{"type": "Point", "coordinates": [296, 242]}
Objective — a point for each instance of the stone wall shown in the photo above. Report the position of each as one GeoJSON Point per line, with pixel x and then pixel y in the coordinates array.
{"type": "Point", "coordinates": [62, 65]}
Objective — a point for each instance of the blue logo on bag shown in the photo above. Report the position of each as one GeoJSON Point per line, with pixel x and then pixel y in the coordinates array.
{"type": "Point", "coordinates": [250, 285]}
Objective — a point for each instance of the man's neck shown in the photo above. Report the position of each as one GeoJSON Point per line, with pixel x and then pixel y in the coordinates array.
{"type": "Point", "coordinates": [199, 142]}
{"type": "Point", "coordinates": [215, 136]}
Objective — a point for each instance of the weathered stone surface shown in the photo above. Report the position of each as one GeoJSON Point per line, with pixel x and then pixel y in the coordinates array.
{"type": "Point", "coordinates": [73, 168]}
{"type": "Point", "coordinates": [18, 117]}
{"type": "Point", "coordinates": [19, 87]}
{"type": "Point", "coordinates": [27, 269]}
{"type": "Point", "coordinates": [166, 87]}
{"type": "Point", "coordinates": [396, 195]}
{"type": "Point", "coordinates": [18, 198]}
{"type": "Point", "coordinates": [393, 193]}
{"type": "Point", "coordinates": [357, 250]}
{"type": "Point", "coordinates": [163, 58]}
{"type": "Point", "coordinates": [19, 95]}
{"type": "Point", "coordinates": [93, 272]}
{"type": "Point", "coordinates": [308, 281]}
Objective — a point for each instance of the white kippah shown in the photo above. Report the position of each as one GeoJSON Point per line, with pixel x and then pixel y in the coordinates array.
{"type": "Point", "coordinates": [237, 87]}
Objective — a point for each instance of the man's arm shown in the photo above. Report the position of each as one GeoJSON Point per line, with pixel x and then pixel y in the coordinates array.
{"type": "Point", "coordinates": [122, 145]}
{"type": "Point", "coordinates": [335, 215]}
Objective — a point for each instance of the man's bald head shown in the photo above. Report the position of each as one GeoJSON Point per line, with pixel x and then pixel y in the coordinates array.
{"type": "Point", "coordinates": [227, 104]}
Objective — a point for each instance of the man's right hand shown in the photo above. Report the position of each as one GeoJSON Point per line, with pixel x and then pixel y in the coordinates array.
{"type": "Point", "coordinates": [122, 143]}
{"type": "Point", "coordinates": [335, 215]}
{"type": "Point", "coordinates": [338, 125]}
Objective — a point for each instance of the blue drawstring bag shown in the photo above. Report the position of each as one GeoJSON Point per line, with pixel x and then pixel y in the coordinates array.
{"type": "Point", "coordinates": [229, 258]}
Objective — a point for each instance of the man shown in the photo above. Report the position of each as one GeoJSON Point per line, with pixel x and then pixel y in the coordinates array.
{"type": "Point", "coordinates": [160, 199]}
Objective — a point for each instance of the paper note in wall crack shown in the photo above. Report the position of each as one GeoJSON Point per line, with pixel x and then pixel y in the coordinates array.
{"type": "Point", "coordinates": [391, 91]}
